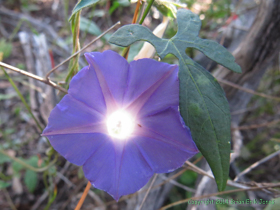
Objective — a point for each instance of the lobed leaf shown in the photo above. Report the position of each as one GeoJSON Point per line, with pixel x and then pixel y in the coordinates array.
{"type": "Point", "coordinates": [203, 104]}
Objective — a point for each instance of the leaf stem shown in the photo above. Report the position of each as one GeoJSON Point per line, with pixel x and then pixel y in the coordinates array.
{"type": "Point", "coordinates": [81, 201]}
{"type": "Point", "coordinates": [146, 11]}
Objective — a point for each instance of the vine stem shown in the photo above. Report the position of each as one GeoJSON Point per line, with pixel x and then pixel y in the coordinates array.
{"type": "Point", "coordinates": [136, 12]}
{"type": "Point", "coordinates": [146, 11]}
{"type": "Point", "coordinates": [82, 199]}
{"type": "Point", "coordinates": [74, 63]}
{"type": "Point", "coordinates": [27, 165]}
{"type": "Point", "coordinates": [22, 98]}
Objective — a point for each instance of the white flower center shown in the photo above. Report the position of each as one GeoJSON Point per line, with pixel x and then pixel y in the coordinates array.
{"type": "Point", "coordinates": [120, 124]}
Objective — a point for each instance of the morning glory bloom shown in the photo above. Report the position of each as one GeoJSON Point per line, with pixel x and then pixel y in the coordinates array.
{"type": "Point", "coordinates": [121, 122]}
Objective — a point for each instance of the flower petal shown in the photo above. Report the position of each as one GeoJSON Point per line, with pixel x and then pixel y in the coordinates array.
{"type": "Point", "coordinates": [112, 72]}
{"type": "Point", "coordinates": [149, 90]}
{"type": "Point", "coordinates": [73, 116]}
{"type": "Point", "coordinates": [164, 141]}
{"type": "Point", "coordinates": [77, 148]}
{"type": "Point", "coordinates": [152, 86]}
{"type": "Point", "coordinates": [85, 87]}
{"type": "Point", "coordinates": [118, 168]}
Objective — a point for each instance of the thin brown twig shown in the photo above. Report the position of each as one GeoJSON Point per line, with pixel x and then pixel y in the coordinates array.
{"type": "Point", "coordinates": [33, 76]}
{"type": "Point", "coordinates": [81, 201]}
{"type": "Point", "coordinates": [255, 126]}
{"type": "Point", "coordinates": [178, 184]}
{"type": "Point", "coordinates": [256, 164]}
{"type": "Point", "coordinates": [10, 201]}
{"type": "Point", "coordinates": [72, 194]}
{"type": "Point", "coordinates": [200, 171]}
{"type": "Point", "coordinates": [247, 90]}
{"type": "Point", "coordinates": [218, 193]}
{"type": "Point", "coordinates": [136, 12]}
{"type": "Point", "coordinates": [177, 174]}
{"type": "Point", "coordinates": [76, 53]}
{"type": "Point", "coordinates": [148, 191]}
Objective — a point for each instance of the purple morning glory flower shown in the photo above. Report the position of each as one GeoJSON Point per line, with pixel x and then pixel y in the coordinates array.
{"type": "Point", "coordinates": [121, 122]}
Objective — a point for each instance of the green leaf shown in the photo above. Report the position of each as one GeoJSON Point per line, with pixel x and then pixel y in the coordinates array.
{"type": "Point", "coordinates": [92, 28]}
{"type": "Point", "coordinates": [17, 167]}
{"type": "Point", "coordinates": [4, 184]}
{"type": "Point", "coordinates": [4, 158]}
{"type": "Point", "coordinates": [89, 26]}
{"type": "Point", "coordinates": [82, 4]}
{"type": "Point", "coordinates": [188, 178]}
{"type": "Point", "coordinates": [5, 48]}
{"type": "Point", "coordinates": [203, 104]}
{"type": "Point", "coordinates": [273, 204]}
{"type": "Point", "coordinates": [7, 96]}
{"type": "Point", "coordinates": [33, 161]}
{"type": "Point", "coordinates": [166, 8]}
{"type": "Point", "coordinates": [30, 180]}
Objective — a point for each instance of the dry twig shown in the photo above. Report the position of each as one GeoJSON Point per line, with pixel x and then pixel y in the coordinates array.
{"type": "Point", "coordinates": [256, 164]}
{"type": "Point", "coordinates": [33, 76]}
{"type": "Point", "coordinates": [76, 53]}
{"type": "Point", "coordinates": [248, 90]}
{"type": "Point", "coordinates": [255, 126]}
{"type": "Point", "coordinates": [148, 191]}
{"type": "Point", "coordinates": [218, 193]}
{"type": "Point", "coordinates": [81, 201]}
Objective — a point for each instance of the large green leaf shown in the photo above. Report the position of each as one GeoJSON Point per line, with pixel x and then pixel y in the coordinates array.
{"type": "Point", "coordinates": [203, 104]}
{"type": "Point", "coordinates": [82, 4]}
